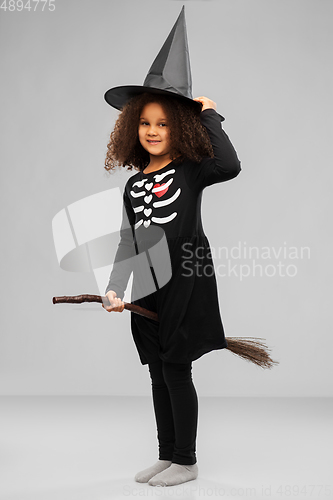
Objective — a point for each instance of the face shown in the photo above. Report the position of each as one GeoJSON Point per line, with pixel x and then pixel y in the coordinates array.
{"type": "Point", "coordinates": [153, 130]}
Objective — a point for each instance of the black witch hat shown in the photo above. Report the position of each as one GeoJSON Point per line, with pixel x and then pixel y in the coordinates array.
{"type": "Point", "coordinates": [170, 73]}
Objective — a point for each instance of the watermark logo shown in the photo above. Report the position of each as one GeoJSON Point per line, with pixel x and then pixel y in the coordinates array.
{"type": "Point", "coordinates": [94, 235]}
{"type": "Point", "coordinates": [242, 261]}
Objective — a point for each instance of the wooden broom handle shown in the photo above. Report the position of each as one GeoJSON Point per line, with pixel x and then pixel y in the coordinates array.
{"type": "Point", "coordinates": [78, 299]}
{"type": "Point", "coordinates": [249, 348]}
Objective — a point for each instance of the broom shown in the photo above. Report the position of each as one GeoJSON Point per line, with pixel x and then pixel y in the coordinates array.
{"type": "Point", "coordinates": [249, 348]}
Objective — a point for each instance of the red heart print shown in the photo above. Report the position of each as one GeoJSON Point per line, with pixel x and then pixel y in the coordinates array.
{"type": "Point", "coordinates": [160, 193]}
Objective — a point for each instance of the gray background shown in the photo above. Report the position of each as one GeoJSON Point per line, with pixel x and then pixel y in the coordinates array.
{"type": "Point", "coordinates": [267, 65]}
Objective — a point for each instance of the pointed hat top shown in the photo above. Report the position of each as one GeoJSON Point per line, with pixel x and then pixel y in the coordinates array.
{"type": "Point", "coordinates": [170, 73]}
{"type": "Point", "coordinates": [171, 69]}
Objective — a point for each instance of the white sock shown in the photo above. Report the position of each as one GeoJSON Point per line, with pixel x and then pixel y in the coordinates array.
{"type": "Point", "coordinates": [175, 474]}
{"type": "Point", "coordinates": [144, 475]}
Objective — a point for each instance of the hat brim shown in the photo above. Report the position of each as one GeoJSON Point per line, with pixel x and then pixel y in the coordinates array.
{"type": "Point", "coordinates": [117, 97]}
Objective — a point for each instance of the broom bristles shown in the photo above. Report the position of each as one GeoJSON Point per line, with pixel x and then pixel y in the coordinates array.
{"type": "Point", "coordinates": [251, 349]}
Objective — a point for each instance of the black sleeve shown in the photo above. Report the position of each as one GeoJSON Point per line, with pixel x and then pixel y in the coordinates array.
{"type": "Point", "coordinates": [224, 166]}
{"type": "Point", "coordinates": [123, 262]}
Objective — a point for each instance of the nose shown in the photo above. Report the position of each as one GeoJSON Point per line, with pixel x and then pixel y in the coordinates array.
{"type": "Point", "coordinates": [151, 130]}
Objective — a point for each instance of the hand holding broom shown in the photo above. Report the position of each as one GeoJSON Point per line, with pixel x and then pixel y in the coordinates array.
{"type": "Point", "coordinates": [116, 304]}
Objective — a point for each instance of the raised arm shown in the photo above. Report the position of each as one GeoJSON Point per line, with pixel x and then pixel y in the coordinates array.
{"type": "Point", "coordinates": [225, 165]}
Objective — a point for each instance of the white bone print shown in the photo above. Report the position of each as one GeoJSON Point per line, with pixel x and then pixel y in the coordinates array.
{"type": "Point", "coordinates": [159, 190]}
{"type": "Point", "coordinates": [148, 198]}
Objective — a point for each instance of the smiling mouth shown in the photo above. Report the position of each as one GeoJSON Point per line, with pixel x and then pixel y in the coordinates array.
{"type": "Point", "coordinates": [153, 142]}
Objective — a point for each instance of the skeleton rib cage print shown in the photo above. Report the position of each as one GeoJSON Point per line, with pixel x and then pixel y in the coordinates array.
{"type": "Point", "coordinates": [149, 190]}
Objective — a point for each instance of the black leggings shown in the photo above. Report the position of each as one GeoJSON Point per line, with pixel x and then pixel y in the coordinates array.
{"type": "Point", "coordinates": [176, 411]}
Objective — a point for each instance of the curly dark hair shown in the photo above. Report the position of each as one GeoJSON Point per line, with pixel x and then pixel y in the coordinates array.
{"type": "Point", "coordinates": [188, 137]}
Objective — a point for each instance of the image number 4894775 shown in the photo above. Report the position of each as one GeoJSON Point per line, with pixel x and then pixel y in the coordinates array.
{"type": "Point", "coordinates": [29, 5]}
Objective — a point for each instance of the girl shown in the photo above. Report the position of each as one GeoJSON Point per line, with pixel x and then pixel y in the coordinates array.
{"type": "Point", "coordinates": [177, 152]}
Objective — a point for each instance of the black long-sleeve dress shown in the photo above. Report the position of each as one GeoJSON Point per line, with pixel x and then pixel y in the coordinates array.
{"type": "Point", "coordinates": [164, 244]}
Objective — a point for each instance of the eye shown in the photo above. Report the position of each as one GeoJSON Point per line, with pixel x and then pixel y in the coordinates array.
{"type": "Point", "coordinates": [146, 123]}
